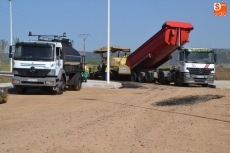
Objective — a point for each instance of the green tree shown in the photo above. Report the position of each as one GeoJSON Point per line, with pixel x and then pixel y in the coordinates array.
{"type": "Point", "coordinates": [3, 55]}
{"type": "Point", "coordinates": [92, 62]}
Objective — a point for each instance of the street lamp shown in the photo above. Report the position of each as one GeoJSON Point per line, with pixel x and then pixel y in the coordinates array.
{"type": "Point", "coordinates": [10, 34]}
{"type": "Point", "coordinates": [84, 36]}
{"type": "Point", "coordinates": [108, 45]}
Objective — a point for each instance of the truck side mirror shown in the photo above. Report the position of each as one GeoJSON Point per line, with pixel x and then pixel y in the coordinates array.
{"type": "Point", "coordinates": [10, 52]}
{"type": "Point", "coordinates": [215, 58]}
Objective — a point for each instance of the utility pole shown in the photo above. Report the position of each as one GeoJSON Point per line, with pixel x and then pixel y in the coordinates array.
{"type": "Point", "coordinates": [108, 45]}
{"type": "Point", "coordinates": [11, 63]}
{"type": "Point", "coordinates": [84, 36]}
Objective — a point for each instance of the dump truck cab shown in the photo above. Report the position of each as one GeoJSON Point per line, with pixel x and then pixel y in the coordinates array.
{"type": "Point", "coordinates": [196, 65]}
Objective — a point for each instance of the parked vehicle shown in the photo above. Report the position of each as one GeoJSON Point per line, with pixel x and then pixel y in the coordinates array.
{"type": "Point", "coordinates": [50, 63]}
{"type": "Point", "coordinates": [194, 65]}
{"type": "Point", "coordinates": [118, 68]}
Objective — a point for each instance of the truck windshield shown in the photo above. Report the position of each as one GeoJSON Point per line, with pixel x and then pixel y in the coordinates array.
{"type": "Point", "coordinates": [34, 53]}
{"type": "Point", "coordinates": [199, 57]}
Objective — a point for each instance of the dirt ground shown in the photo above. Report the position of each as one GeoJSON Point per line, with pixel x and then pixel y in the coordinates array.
{"type": "Point", "coordinates": [138, 118]}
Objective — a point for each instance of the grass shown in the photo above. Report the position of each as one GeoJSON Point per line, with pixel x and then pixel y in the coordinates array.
{"type": "Point", "coordinates": [5, 66]}
{"type": "Point", "coordinates": [5, 79]}
{"type": "Point", "coordinates": [222, 73]}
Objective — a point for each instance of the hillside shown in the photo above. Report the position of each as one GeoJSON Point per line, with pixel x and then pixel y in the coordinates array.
{"type": "Point", "coordinates": [222, 57]}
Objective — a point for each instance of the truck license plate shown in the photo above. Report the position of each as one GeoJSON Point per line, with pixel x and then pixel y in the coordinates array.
{"type": "Point", "coordinates": [200, 76]}
{"type": "Point", "coordinates": [32, 80]}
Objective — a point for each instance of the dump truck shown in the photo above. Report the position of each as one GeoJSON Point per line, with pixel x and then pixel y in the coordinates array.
{"type": "Point", "coordinates": [193, 66]}
{"type": "Point", "coordinates": [49, 63]}
{"type": "Point", "coordinates": [119, 69]}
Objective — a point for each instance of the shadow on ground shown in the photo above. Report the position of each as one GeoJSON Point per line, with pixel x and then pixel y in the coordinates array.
{"type": "Point", "coordinates": [188, 100]}
{"type": "Point", "coordinates": [35, 92]}
{"type": "Point", "coordinates": [133, 85]}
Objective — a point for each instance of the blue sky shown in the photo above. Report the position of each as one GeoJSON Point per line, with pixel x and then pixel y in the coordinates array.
{"type": "Point", "coordinates": [132, 21]}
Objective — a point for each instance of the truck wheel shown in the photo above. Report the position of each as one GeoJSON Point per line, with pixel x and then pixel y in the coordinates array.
{"type": "Point", "coordinates": [78, 86]}
{"type": "Point", "coordinates": [178, 81]}
{"type": "Point", "coordinates": [133, 76]}
{"type": "Point", "coordinates": [204, 85]}
{"type": "Point", "coordinates": [141, 77]}
{"type": "Point", "coordinates": [21, 90]}
{"type": "Point", "coordinates": [148, 77]}
{"type": "Point", "coordinates": [60, 88]}
{"type": "Point", "coordinates": [161, 78]}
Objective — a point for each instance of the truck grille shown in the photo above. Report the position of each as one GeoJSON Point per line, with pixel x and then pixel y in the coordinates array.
{"type": "Point", "coordinates": [28, 73]}
{"type": "Point", "coordinates": [200, 71]}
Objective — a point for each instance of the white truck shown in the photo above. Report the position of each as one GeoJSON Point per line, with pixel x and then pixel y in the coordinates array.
{"type": "Point", "coordinates": [194, 66]}
{"type": "Point", "coordinates": [50, 63]}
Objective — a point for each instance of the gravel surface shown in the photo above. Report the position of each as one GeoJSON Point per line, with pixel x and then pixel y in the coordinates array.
{"type": "Point", "coordinates": [138, 118]}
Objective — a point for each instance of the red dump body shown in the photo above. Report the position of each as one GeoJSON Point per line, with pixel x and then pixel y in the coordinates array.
{"type": "Point", "coordinates": [157, 50]}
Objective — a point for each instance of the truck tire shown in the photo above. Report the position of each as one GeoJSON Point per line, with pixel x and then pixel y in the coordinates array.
{"type": "Point", "coordinates": [148, 77]}
{"type": "Point", "coordinates": [133, 76]}
{"type": "Point", "coordinates": [21, 90]}
{"type": "Point", "coordinates": [78, 86]}
{"type": "Point", "coordinates": [178, 80]}
{"type": "Point", "coordinates": [60, 87]}
{"type": "Point", "coordinates": [204, 85]}
{"type": "Point", "coordinates": [141, 77]}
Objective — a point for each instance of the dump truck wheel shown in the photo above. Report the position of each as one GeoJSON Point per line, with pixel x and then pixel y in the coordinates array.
{"type": "Point", "coordinates": [148, 77]}
{"type": "Point", "coordinates": [178, 80]}
{"type": "Point", "coordinates": [133, 76]}
{"type": "Point", "coordinates": [141, 77]}
{"type": "Point", "coordinates": [204, 85]}
{"type": "Point", "coordinates": [21, 90]}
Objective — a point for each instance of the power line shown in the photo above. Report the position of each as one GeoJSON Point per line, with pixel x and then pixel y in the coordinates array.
{"type": "Point", "coordinates": [84, 36]}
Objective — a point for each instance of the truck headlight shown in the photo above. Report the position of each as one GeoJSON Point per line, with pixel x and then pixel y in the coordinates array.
{"type": "Point", "coordinates": [211, 76]}
{"type": "Point", "coordinates": [15, 72]}
{"type": "Point", "coordinates": [50, 82]}
{"type": "Point", "coordinates": [52, 72]}
{"type": "Point", "coordinates": [15, 81]}
{"type": "Point", "coordinates": [187, 76]}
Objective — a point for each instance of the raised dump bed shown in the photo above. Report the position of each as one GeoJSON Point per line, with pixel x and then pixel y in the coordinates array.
{"type": "Point", "coordinates": [157, 50]}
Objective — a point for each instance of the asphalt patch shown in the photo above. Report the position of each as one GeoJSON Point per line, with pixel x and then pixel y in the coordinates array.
{"type": "Point", "coordinates": [133, 85]}
{"type": "Point", "coordinates": [187, 100]}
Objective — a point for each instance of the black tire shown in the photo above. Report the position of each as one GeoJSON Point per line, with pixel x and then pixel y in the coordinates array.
{"type": "Point", "coordinates": [178, 80]}
{"type": "Point", "coordinates": [78, 86]}
{"type": "Point", "coordinates": [21, 90]}
{"type": "Point", "coordinates": [60, 87]}
{"type": "Point", "coordinates": [148, 77]}
{"type": "Point", "coordinates": [141, 77]}
{"type": "Point", "coordinates": [161, 79]}
{"type": "Point", "coordinates": [133, 76]}
{"type": "Point", "coordinates": [204, 85]}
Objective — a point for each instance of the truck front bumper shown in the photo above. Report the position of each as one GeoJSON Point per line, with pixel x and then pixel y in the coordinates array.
{"type": "Point", "coordinates": [198, 79]}
{"type": "Point", "coordinates": [34, 82]}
